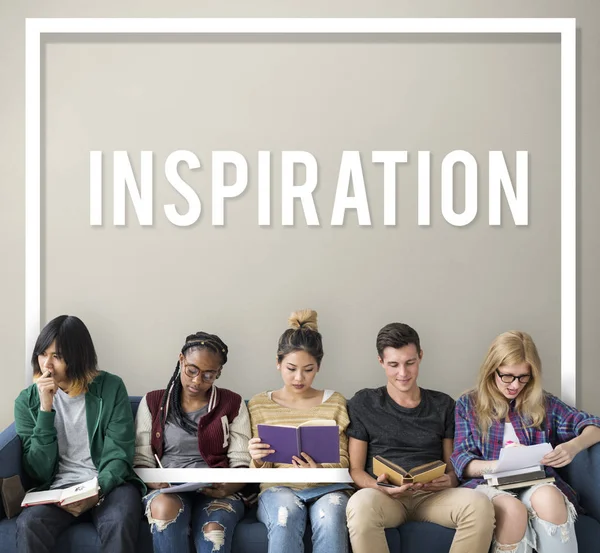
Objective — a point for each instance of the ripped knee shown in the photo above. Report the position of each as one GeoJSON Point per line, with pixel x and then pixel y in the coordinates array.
{"type": "Point", "coordinates": [162, 512]}
{"type": "Point", "coordinates": [565, 529]}
{"type": "Point", "coordinates": [214, 533]}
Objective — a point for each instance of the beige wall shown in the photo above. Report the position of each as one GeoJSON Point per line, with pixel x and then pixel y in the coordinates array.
{"type": "Point", "coordinates": [141, 290]}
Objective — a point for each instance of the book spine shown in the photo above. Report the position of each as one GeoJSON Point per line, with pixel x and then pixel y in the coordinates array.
{"type": "Point", "coordinates": [298, 442]}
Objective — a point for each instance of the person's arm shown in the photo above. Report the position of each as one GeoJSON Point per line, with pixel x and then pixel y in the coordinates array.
{"type": "Point", "coordinates": [577, 430]}
{"type": "Point", "coordinates": [116, 460]}
{"type": "Point", "coordinates": [357, 450]}
{"type": "Point", "coordinates": [143, 456]}
{"type": "Point", "coordinates": [466, 458]}
{"type": "Point", "coordinates": [38, 439]}
{"type": "Point", "coordinates": [256, 448]}
{"type": "Point", "coordinates": [476, 469]}
{"type": "Point", "coordinates": [237, 452]}
{"type": "Point", "coordinates": [342, 420]}
{"type": "Point", "coordinates": [239, 434]}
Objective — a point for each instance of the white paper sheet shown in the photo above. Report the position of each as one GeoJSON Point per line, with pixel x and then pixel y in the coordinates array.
{"type": "Point", "coordinates": [520, 457]}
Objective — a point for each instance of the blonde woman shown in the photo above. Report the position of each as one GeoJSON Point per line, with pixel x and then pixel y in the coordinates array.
{"type": "Point", "coordinates": [510, 407]}
{"type": "Point", "coordinates": [285, 508]}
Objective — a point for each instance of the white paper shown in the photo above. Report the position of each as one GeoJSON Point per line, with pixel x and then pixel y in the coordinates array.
{"type": "Point", "coordinates": [187, 487]}
{"type": "Point", "coordinates": [520, 457]}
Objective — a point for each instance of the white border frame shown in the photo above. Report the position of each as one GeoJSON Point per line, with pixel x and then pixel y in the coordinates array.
{"type": "Point", "coordinates": [566, 28]}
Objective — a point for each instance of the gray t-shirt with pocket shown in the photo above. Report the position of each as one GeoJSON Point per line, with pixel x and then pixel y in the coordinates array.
{"type": "Point", "coordinates": [408, 437]}
{"type": "Point", "coordinates": [180, 448]}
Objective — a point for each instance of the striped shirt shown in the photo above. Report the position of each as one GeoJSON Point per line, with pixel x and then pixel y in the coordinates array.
{"type": "Point", "coordinates": [562, 423]}
{"type": "Point", "coordinates": [263, 410]}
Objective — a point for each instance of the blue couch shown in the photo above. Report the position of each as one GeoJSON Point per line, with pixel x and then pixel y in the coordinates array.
{"type": "Point", "coordinates": [251, 536]}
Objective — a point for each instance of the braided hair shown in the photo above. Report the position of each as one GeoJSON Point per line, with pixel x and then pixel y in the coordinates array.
{"type": "Point", "coordinates": [198, 341]}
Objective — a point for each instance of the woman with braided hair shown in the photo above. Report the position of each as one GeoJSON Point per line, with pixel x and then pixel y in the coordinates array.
{"type": "Point", "coordinates": [194, 424]}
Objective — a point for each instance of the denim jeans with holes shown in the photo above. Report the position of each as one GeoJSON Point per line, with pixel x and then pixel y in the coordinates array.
{"type": "Point", "coordinates": [285, 516]}
{"type": "Point", "coordinates": [197, 511]}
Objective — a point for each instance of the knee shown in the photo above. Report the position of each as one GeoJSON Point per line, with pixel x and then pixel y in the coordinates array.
{"type": "Point", "coordinates": [165, 507]}
{"type": "Point", "coordinates": [481, 509]}
{"type": "Point", "coordinates": [331, 511]}
{"type": "Point", "coordinates": [362, 505]}
{"type": "Point", "coordinates": [26, 522]}
{"type": "Point", "coordinates": [214, 533]}
{"type": "Point", "coordinates": [285, 509]}
{"type": "Point", "coordinates": [548, 504]}
{"type": "Point", "coordinates": [511, 519]}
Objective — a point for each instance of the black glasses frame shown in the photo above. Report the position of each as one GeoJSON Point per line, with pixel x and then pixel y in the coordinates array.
{"type": "Point", "coordinates": [503, 377]}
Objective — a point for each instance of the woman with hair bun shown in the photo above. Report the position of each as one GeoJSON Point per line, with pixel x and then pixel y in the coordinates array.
{"type": "Point", "coordinates": [194, 424]}
{"type": "Point", "coordinates": [285, 508]}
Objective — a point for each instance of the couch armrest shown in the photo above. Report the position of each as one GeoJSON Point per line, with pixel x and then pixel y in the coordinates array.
{"type": "Point", "coordinates": [10, 457]}
{"type": "Point", "coordinates": [10, 453]}
{"type": "Point", "coordinates": [583, 473]}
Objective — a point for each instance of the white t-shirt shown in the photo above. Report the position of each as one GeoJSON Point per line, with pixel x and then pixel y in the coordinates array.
{"type": "Point", "coordinates": [510, 437]}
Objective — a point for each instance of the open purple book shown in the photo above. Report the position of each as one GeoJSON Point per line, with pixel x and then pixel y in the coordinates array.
{"type": "Point", "coordinates": [318, 438]}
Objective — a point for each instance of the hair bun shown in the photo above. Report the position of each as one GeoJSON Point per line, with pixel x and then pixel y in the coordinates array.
{"type": "Point", "coordinates": [305, 318]}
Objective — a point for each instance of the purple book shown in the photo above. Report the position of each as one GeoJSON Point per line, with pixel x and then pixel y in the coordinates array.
{"type": "Point", "coordinates": [319, 438]}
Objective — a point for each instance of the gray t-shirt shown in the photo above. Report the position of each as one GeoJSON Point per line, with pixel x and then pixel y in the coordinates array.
{"type": "Point", "coordinates": [407, 437]}
{"type": "Point", "coordinates": [180, 448]}
{"type": "Point", "coordinates": [75, 463]}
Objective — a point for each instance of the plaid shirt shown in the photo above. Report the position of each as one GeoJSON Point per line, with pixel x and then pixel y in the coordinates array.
{"type": "Point", "coordinates": [563, 423]}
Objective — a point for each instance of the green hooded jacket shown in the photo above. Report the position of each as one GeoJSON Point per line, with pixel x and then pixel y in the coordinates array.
{"type": "Point", "coordinates": [110, 429]}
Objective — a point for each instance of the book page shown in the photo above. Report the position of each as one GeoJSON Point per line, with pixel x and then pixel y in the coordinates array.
{"type": "Point", "coordinates": [520, 457]}
{"type": "Point", "coordinates": [39, 498]}
{"type": "Point", "coordinates": [79, 491]}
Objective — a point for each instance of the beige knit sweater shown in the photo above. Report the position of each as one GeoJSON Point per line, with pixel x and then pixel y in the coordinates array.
{"type": "Point", "coordinates": [263, 410]}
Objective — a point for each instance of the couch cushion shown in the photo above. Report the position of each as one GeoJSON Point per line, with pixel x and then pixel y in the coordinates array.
{"type": "Point", "coordinates": [588, 534]}
{"type": "Point", "coordinates": [424, 536]}
{"type": "Point", "coordinates": [135, 403]}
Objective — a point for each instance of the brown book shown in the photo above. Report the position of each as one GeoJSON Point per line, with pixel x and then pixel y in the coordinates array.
{"type": "Point", "coordinates": [526, 484]}
{"type": "Point", "coordinates": [399, 476]}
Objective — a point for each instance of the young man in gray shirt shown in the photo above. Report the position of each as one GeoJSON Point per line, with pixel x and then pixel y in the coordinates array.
{"type": "Point", "coordinates": [408, 426]}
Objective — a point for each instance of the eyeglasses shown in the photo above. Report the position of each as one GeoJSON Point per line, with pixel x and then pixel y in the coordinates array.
{"type": "Point", "coordinates": [509, 378]}
{"type": "Point", "coordinates": [193, 372]}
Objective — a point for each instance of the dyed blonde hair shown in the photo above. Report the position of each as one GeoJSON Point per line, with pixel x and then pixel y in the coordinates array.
{"type": "Point", "coordinates": [510, 348]}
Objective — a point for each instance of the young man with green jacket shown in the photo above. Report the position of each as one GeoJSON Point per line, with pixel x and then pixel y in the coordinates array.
{"type": "Point", "coordinates": [75, 424]}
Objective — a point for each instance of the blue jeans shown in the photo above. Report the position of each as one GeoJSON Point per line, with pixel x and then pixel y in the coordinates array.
{"type": "Point", "coordinates": [117, 521]}
{"type": "Point", "coordinates": [285, 515]}
{"type": "Point", "coordinates": [197, 511]}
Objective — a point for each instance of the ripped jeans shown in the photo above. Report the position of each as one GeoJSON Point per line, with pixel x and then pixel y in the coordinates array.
{"type": "Point", "coordinates": [285, 516]}
{"type": "Point", "coordinates": [541, 535]}
{"type": "Point", "coordinates": [197, 511]}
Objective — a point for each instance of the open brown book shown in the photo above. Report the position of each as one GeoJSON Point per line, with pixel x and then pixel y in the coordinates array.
{"type": "Point", "coordinates": [398, 476]}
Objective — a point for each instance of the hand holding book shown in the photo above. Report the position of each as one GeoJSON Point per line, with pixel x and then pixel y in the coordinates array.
{"type": "Point", "coordinates": [396, 490]}
{"type": "Point", "coordinates": [305, 461]}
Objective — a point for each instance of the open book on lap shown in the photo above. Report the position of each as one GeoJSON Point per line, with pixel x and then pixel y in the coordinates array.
{"type": "Point", "coordinates": [399, 476]}
{"type": "Point", "coordinates": [64, 496]}
{"type": "Point", "coordinates": [320, 439]}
